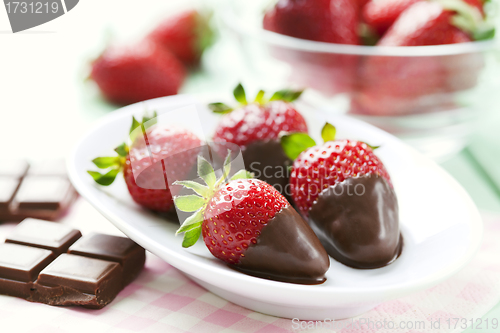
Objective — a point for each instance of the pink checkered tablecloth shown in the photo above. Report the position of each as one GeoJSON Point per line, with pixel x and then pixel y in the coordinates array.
{"type": "Point", "coordinates": [162, 299]}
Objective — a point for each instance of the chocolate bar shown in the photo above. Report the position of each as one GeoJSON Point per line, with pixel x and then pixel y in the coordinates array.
{"type": "Point", "coordinates": [41, 191]}
{"type": "Point", "coordinates": [53, 264]}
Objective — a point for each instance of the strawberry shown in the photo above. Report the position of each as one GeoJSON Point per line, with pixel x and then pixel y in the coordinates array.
{"type": "Point", "coordinates": [131, 74]}
{"type": "Point", "coordinates": [346, 194]}
{"type": "Point", "coordinates": [414, 84]}
{"type": "Point", "coordinates": [186, 35]}
{"type": "Point", "coordinates": [381, 14]}
{"type": "Point", "coordinates": [256, 128]}
{"type": "Point", "coordinates": [249, 225]}
{"type": "Point", "coordinates": [332, 21]}
{"type": "Point", "coordinates": [155, 153]}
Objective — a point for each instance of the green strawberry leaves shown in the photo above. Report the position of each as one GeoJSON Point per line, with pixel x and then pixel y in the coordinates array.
{"type": "Point", "coordinates": [197, 203]}
{"type": "Point", "coordinates": [122, 150]}
{"type": "Point", "coordinates": [104, 179]}
{"type": "Point", "coordinates": [286, 95]}
{"type": "Point", "coordinates": [469, 18]}
{"type": "Point", "coordinates": [295, 143]}
{"type": "Point", "coordinates": [328, 132]}
{"type": "Point", "coordinates": [116, 163]}
{"type": "Point", "coordinates": [240, 95]}
{"type": "Point", "coordinates": [189, 203]}
{"type": "Point", "coordinates": [206, 172]}
{"type": "Point", "coordinates": [220, 108]}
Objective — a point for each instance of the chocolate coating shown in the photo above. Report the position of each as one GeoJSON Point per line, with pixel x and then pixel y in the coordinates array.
{"type": "Point", "coordinates": [287, 250]}
{"type": "Point", "coordinates": [357, 222]}
{"type": "Point", "coordinates": [269, 163]}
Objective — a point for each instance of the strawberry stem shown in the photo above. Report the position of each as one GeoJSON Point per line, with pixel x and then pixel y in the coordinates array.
{"type": "Point", "coordinates": [191, 227]}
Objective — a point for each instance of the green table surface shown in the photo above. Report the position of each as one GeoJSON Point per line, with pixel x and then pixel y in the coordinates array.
{"type": "Point", "coordinates": [46, 105]}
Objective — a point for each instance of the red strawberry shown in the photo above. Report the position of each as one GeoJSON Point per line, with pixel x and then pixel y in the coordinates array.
{"type": "Point", "coordinates": [399, 85]}
{"type": "Point", "coordinates": [249, 225]}
{"type": "Point", "coordinates": [381, 14]}
{"type": "Point", "coordinates": [256, 128]}
{"type": "Point", "coordinates": [186, 35]}
{"type": "Point", "coordinates": [155, 154]}
{"type": "Point", "coordinates": [136, 73]}
{"type": "Point", "coordinates": [333, 21]}
{"type": "Point", "coordinates": [346, 193]}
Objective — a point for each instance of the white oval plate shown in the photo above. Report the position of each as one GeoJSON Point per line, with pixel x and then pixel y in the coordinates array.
{"type": "Point", "coordinates": [440, 224]}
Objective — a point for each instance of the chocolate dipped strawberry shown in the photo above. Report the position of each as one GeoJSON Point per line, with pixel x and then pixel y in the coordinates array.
{"type": "Point", "coordinates": [144, 163]}
{"type": "Point", "coordinates": [249, 225]}
{"type": "Point", "coordinates": [256, 127]}
{"type": "Point", "coordinates": [346, 194]}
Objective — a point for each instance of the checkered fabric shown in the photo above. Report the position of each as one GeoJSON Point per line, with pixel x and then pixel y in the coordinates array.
{"type": "Point", "coordinates": [162, 299]}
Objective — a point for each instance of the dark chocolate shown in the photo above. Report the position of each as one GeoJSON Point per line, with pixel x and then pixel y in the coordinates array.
{"type": "Point", "coordinates": [112, 248]}
{"type": "Point", "coordinates": [48, 168]}
{"type": "Point", "coordinates": [13, 168]}
{"type": "Point", "coordinates": [32, 266]}
{"type": "Point", "coordinates": [287, 250]}
{"type": "Point", "coordinates": [8, 187]}
{"type": "Point", "coordinates": [77, 280]}
{"type": "Point", "coordinates": [357, 221]}
{"type": "Point", "coordinates": [19, 268]}
{"type": "Point", "coordinates": [45, 235]}
{"type": "Point", "coordinates": [267, 160]}
{"type": "Point", "coordinates": [45, 192]}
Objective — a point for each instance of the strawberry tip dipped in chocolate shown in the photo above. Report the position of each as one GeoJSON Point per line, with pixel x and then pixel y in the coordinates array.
{"type": "Point", "coordinates": [249, 225]}
{"type": "Point", "coordinates": [344, 191]}
{"type": "Point", "coordinates": [142, 162]}
{"type": "Point", "coordinates": [256, 127]}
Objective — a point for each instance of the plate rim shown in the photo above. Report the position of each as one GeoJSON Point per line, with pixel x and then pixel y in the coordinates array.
{"type": "Point", "coordinates": [383, 292]}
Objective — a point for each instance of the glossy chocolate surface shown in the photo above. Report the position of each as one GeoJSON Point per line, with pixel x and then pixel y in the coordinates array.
{"type": "Point", "coordinates": [357, 222]}
{"type": "Point", "coordinates": [22, 263]}
{"type": "Point", "coordinates": [287, 250]}
{"type": "Point", "coordinates": [43, 234]}
{"type": "Point", "coordinates": [269, 163]}
{"type": "Point", "coordinates": [91, 278]}
{"type": "Point", "coordinates": [41, 191]}
{"type": "Point", "coordinates": [112, 248]}
{"type": "Point", "coordinates": [8, 187]}
{"type": "Point", "coordinates": [13, 168]}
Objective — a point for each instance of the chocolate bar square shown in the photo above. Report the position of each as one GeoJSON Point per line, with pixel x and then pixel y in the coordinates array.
{"type": "Point", "coordinates": [8, 187]}
{"type": "Point", "coordinates": [33, 265]}
{"type": "Point", "coordinates": [13, 168]}
{"type": "Point", "coordinates": [22, 263]}
{"type": "Point", "coordinates": [46, 235]}
{"type": "Point", "coordinates": [113, 248]}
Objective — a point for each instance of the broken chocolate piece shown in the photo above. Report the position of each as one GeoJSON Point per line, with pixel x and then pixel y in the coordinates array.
{"type": "Point", "coordinates": [77, 280]}
{"type": "Point", "coordinates": [32, 266]}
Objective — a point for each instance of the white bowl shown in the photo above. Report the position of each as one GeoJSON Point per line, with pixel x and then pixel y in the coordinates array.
{"type": "Point", "coordinates": [440, 224]}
